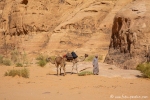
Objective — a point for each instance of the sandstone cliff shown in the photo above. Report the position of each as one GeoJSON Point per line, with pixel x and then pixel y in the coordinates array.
{"type": "Point", "coordinates": [57, 27]}
{"type": "Point", "coordinates": [130, 42]}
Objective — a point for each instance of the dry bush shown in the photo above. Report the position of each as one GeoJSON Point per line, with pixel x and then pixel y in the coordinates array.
{"type": "Point", "coordinates": [7, 62]}
{"type": "Point", "coordinates": [145, 69]}
{"type": "Point", "coordinates": [91, 57]}
{"type": "Point", "coordinates": [42, 60]}
{"type": "Point", "coordinates": [23, 73]}
{"type": "Point", "coordinates": [1, 59]}
{"type": "Point", "coordinates": [84, 73]}
{"type": "Point", "coordinates": [20, 59]}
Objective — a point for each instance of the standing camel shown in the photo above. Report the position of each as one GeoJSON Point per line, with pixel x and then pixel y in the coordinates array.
{"type": "Point", "coordinates": [58, 61]}
{"type": "Point", "coordinates": [75, 62]}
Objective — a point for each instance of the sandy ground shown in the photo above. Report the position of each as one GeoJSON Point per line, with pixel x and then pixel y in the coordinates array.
{"type": "Point", "coordinates": [43, 84]}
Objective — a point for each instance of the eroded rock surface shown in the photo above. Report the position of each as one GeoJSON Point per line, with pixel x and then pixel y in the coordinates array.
{"type": "Point", "coordinates": [130, 42]}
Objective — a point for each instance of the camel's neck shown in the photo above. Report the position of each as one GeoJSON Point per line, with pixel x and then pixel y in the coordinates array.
{"type": "Point", "coordinates": [52, 61]}
{"type": "Point", "coordinates": [80, 60]}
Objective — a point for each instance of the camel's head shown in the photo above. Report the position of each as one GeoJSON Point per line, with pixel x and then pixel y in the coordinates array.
{"type": "Point", "coordinates": [86, 55]}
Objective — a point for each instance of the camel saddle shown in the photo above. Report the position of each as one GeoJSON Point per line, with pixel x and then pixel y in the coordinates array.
{"type": "Point", "coordinates": [69, 56]}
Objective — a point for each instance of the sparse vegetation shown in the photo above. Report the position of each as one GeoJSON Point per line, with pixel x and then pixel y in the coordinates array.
{"type": "Point", "coordinates": [19, 65]}
{"type": "Point", "coordinates": [41, 60]}
{"type": "Point", "coordinates": [145, 69]}
{"type": "Point", "coordinates": [19, 59]}
{"type": "Point", "coordinates": [15, 56]}
{"type": "Point", "coordinates": [84, 73]}
{"type": "Point", "coordinates": [1, 59]}
{"type": "Point", "coordinates": [42, 63]}
{"type": "Point", "coordinates": [90, 58]}
{"type": "Point", "coordinates": [23, 73]}
{"type": "Point", "coordinates": [7, 62]}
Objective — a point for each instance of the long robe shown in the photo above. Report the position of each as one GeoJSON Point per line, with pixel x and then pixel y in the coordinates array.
{"type": "Point", "coordinates": [95, 66]}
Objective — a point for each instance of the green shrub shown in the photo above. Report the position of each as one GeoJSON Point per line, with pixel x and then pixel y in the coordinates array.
{"type": "Point", "coordinates": [42, 63]}
{"type": "Point", "coordinates": [15, 56]}
{"type": "Point", "coordinates": [7, 62]}
{"type": "Point", "coordinates": [20, 57]}
{"type": "Point", "coordinates": [19, 65]}
{"type": "Point", "coordinates": [40, 57]}
{"type": "Point", "coordinates": [1, 59]}
{"type": "Point", "coordinates": [145, 69]}
{"type": "Point", "coordinates": [90, 58]}
{"type": "Point", "coordinates": [52, 57]}
{"type": "Point", "coordinates": [23, 73]}
{"type": "Point", "coordinates": [84, 73]}
{"type": "Point", "coordinates": [41, 60]}
{"type": "Point", "coordinates": [100, 57]}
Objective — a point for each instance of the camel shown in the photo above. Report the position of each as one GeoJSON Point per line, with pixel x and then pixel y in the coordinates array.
{"type": "Point", "coordinates": [75, 61]}
{"type": "Point", "coordinates": [58, 61]}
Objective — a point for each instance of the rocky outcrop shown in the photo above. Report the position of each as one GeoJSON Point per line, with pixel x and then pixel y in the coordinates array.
{"type": "Point", "coordinates": [58, 25]}
{"type": "Point", "coordinates": [26, 16]}
{"type": "Point", "coordinates": [130, 41]}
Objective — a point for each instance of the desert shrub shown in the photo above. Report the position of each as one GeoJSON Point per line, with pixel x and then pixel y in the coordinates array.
{"type": "Point", "coordinates": [145, 69]}
{"type": "Point", "coordinates": [52, 57]}
{"type": "Point", "coordinates": [19, 65]}
{"type": "Point", "coordinates": [19, 58]}
{"type": "Point", "coordinates": [23, 73]}
{"type": "Point", "coordinates": [84, 73]}
{"type": "Point", "coordinates": [40, 57]}
{"type": "Point", "coordinates": [24, 58]}
{"type": "Point", "coordinates": [41, 60]}
{"type": "Point", "coordinates": [90, 58]}
{"type": "Point", "coordinates": [1, 59]}
{"type": "Point", "coordinates": [100, 57]}
{"type": "Point", "coordinates": [42, 63]}
{"type": "Point", "coordinates": [15, 56]}
{"type": "Point", "coordinates": [7, 62]}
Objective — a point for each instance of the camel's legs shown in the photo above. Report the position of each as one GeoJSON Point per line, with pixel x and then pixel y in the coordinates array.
{"type": "Point", "coordinates": [74, 64]}
{"type": "Point", "coordinates": [57, 71]}
{"type": "Point", "coordinates": [57, 68]}
{"type": "Point", "coordinates": [72, 68]}
{"type": "Point", "coordinates": [64, 71]}
{"type": "Point", "coordinates": [60, 70]}
{"type": "Point", "coordinates": [76, 68]}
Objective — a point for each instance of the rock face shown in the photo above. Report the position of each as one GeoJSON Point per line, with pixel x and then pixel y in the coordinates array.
{"type": "Point", "coordinates": [57, 26]}
{"type": "Point", "coordinates": [130, 43]}
{"type": "Point", "coordinates": [23, 16]}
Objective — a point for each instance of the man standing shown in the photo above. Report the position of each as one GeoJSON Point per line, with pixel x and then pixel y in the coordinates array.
{"type": "Point", "coordinates": [95, 65]}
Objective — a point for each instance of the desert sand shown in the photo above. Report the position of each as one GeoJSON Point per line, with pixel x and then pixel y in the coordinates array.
{"type": "Point", "coordinates": [112, 83]}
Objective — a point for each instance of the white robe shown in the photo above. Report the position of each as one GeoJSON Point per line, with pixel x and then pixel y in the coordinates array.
{"type": "Point", "coordinates": [95, 66]}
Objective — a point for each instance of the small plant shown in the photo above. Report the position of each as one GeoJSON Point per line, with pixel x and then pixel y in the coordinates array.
{"type": "Point", "coordinates": [145, 69]}
{"type": "Point", "coordinates": [15, 56]}
{"type": "Point", "coordinates": [40, 57]}
{"type": "Point", "coordinates": [19, 65]}
{"type": "Point", "coordinates": [90, 58]}
{"type": "Point", "coordinates": [100, 57]}
{"type": "Point", "coordinates": [42, 63]}
{"type": "Point", "coordinates": [84, 73]}
{"type": "Point", "coordinates": [23, 73]}
{"type": "Point", "coordinates": [7, 62]}
{"type": "Point", "coordinates": [41, 60]}
{"type": "Point", "coordinates": [1, 59]}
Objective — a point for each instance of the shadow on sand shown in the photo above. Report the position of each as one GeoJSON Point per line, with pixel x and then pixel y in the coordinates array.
{"type": "Point", "coordinates": [62, 74]}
